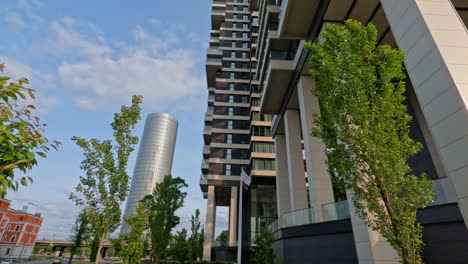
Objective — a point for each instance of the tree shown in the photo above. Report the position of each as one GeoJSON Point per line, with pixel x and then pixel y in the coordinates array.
{"type": "Point", "coordinates": [179, 249]}
{"type": "Point", "coordinates": [365, 127]}
{"type": "Point", "coordinates": [262, 252]}
{"type": "Point", "coordinates": [106, 183]}
{"type": "Point", "coordinates": [223, 238]}
{"type": "Point", "coordinates": [166, 199]}
{"type": "Point", "coordinates": [21, 134]}
{"type": "Point", "coordinates": [195, 242]}
{"type": "Point", "coordinates": [81, 233]}
{"type": "Point", "coordinates": [131, 246]}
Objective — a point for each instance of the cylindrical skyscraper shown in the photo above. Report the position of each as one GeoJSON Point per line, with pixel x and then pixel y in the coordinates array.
{"type": "Point", "coordinates": [154, 159]}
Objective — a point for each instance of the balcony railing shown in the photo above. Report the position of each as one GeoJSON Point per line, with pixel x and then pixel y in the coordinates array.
{"type": "Point", "coordinates": [330, 212]}
{"type": "Point", "coordinates": [443, 192]}
{"type": "Point", "coordinates": [281, 55]}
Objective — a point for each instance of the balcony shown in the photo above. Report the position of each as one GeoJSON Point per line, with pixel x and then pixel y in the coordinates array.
{"type": "Point", "coordinates": [207, 134]}
{"type": "Point", "coordinates": [279, 70]}
{"type": "Point", "coordinates": [205, 164]}
{"type": "Point", "coordinates": [208, 117]}
{"type": "Point", "coordinates": [206, 151]}
{"type": "Point", "coordinates": [214, 53]}
{"type": "Point", "coordinates": [212, 66]}
{"type": "Point", "coordinates": [296, 18]}
{"type": "Point", "coordinates": [217, 17]}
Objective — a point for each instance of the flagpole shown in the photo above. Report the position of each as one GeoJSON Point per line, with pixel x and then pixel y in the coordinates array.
{"type": "Point", "coordinates": [239, 225]}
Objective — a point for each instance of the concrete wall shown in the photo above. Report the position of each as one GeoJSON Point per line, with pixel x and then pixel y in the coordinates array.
{"type": "Point", "coordinates": [329, 242]}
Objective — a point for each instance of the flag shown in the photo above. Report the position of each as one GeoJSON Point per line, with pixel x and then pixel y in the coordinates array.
{"type": "Point", "coordinates": [245, 180]}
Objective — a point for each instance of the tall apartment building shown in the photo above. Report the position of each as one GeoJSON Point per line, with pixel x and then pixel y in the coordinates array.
{"type": "Point", "coordinates": [237, 137]}
{"type": "Point", "coordinates": [154, 159]}
{"type": "Point", "coordinates": [433, 35]}
{"type": "Point", "coordinates": [18, 231]}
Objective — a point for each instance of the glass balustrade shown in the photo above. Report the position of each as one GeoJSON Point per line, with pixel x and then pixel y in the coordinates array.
{"type": "Point", "coordinates": [330, 212]}
{"type": "Point", "coordinates": [335, 211]}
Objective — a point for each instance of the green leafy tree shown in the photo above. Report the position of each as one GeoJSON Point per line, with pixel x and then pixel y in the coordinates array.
{"type": "Point", "coordinates": [81, 233]}
{"type": "Point", "coordinates": [223, 238]}
{"type": "Point", "coordinates": [262, 252]}
{"type": "Point", "coordinates": [365, 127]}
{"type": "Point", "coordinates": [106, 183]}
{"type": "Point", "coordinates": [131, 246]}
{"type": "Point", "coordinates": [179, 248]}
{"type": "Point", "coordinates": [195, 241]}
{"type": "Point", "coordinates": [166, 199]}
{"type": "Point", "coordinates": [22, 137]}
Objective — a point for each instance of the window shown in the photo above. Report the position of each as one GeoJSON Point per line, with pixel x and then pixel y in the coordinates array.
{"type": "Point", "coordinates": [245, 44]}
{"type": "Point", "coordinates": [256, 116]}
{"type": "Point", "coordinates": [231, 99]}
{"type": "Point", "coordinates": [232, 75]}
{"type": "Point", "coordinates": [230, 124]}
{"type": "Point", "coordinates": [228, 153]}
{"type": "Point", "coordinates": [231, 86]}
{"type": "Point", "coordinates": [246, 9]}
{"type": "Point", "coordinates": [263, 164]}
{"type": "Point", "coordinates": [245, 26]}
{"type": "Point", "coordinates": [255, 20]}
{"type": "Point", "coordinates": [244, 154]}
{"type": "Point", "coordinates": [9, 227]}
{"type": "Point", "coordinates": [244, 55]}
{"type": "Point", "coordinates": [231, 111]}
{"type": "Point", "coordinates": [233, 44]}
{"type": "Point", "coordinates": [234, 34]}
{"type": "Point", "coordinates": [229, 139]}
{"type": "Point", "coordinates": [12, 240]}
{"type": "Point", "coordinates": [21, 218]}
{"type": "Point", "coordinates": [244, 99]}
{"type": "Point", "coordinates": [233, 54]}
{"type": "Point", "coordinates": [3, 238]}
{"type": "Point", "coordinates": [233, 64]}
{"type": "Point", "coordinates": [245, 17]}
{"type": "Point", "coordinates": [255, 102]}
{"type": "Point", "coordinates": [234, 16]}
{"type": "Point", "coordinates": [265, 147]}
{"type": "Point", "coordinates": [234, 25]}
{"type": "Point", "coordinates": [261, 131]}
{"type": "Point", "coordinates": [7, 251]}
{"type": "Point", "coordinates": [228, 169]}
{"type": "Point", "coordinates": [245, 35]}
{"type": "Point", "coordinates": [17, 228]}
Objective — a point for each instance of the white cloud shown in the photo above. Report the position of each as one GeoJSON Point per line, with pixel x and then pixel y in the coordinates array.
{"type": "Point", "coordinates": [29, 8]}
{"type": "Point", "coordinates": [38, 81]}
{"type": "Point", "coordinates": [59, 215]}
{"type": "Point", "coordinates": [67, 41]}
{"type": "Point", "coordinates": [14, 20]}
{"type": "Point", "coordinates": [104, 75]}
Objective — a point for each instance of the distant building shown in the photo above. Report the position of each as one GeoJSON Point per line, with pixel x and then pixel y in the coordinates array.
{"type": "Point", "coordinates": [18, 231]}
{"type": "Point", "coordinates": [154, 160]}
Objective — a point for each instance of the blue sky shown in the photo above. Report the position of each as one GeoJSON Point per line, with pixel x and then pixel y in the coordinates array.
{"type": "Point", "coordinates": [85, 59]}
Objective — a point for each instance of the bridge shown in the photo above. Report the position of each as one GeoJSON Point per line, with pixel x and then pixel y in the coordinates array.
{"type": "Point", "coordinates": [61, 245]}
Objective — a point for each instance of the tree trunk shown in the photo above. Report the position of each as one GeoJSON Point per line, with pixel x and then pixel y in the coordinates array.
{"type": "Point", "coordinates": [71, 257]}
{"type": "Point", "coordinates": [101, 242]}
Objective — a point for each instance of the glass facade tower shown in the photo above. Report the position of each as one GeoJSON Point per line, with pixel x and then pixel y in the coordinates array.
{"type": "Point", "coordinates": [154, 159]}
